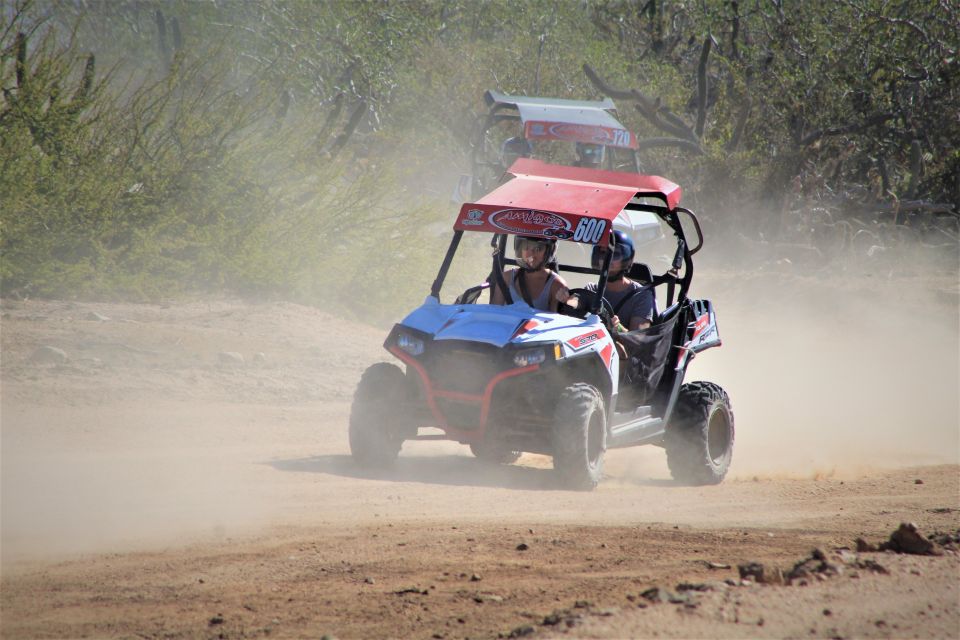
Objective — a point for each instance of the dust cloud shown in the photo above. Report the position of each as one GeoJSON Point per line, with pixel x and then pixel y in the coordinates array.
{"type": "Point", "coordinates": [833, 373]}
{"type": "Point", "coordinates": [127, 476]}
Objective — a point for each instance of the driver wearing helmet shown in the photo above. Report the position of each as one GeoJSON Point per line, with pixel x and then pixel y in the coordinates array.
{"type": "Point", "coordinates": [589, 155]}
{"type": "Point", "coordinates": [633, 305]}
{"type": "Point", "coordinates": [533, 282]}
{"type": "Point", "coordinates": [513, 148]}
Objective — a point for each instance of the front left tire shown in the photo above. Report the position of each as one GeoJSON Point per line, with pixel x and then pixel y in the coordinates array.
{"type": "Point", "coordinates": [579, 436]}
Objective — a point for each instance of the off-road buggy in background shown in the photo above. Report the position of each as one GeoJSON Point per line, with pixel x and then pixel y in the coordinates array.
{"type": "Point", "coordinates": [552, 128]}
{"type": "Point", "coordinates": [506, 379]}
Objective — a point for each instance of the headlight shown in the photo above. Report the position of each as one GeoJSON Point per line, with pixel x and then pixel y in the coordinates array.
{"type": "Point", "coordinates": [529, 357]}
{"type": "Point", "coordinates": [413, 346]}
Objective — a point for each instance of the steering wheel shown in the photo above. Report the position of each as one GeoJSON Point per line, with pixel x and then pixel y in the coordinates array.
{"type": "Point", "coordinates": [586, 298]}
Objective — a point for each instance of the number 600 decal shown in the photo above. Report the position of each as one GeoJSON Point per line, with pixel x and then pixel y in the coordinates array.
{"type": "Point", "coordinates": [589, 230]}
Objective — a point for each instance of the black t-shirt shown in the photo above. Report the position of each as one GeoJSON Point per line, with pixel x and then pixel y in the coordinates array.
{"type": "Point", "coordinates": [640, 305]}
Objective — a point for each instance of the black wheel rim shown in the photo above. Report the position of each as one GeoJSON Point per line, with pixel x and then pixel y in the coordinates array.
{"type": "Point", "coordinates": [595, 439]}
{"type": "Point", "coordinates": [718, 436]}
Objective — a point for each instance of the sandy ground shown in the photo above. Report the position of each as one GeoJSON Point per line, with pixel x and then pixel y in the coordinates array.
{"type": "Point", "coordinates": [185, 472]}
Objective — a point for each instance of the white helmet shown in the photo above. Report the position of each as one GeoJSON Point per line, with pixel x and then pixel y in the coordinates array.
{"type": "Point", "coordinates": [548, 246]}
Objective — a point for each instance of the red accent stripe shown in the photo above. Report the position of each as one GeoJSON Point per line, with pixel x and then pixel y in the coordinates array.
{"type": "Point", "coordinates": [526, 326]}
{"type": "Point", "coordinates": [605, 353]}
{"type": "Point", "coordinates": [702, 323]}
{"type": "Point", "coordinates": [578, 343]}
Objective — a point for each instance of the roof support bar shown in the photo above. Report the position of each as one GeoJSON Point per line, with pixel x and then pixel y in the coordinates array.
{"type": "Point", "coordinates": [447, 259]}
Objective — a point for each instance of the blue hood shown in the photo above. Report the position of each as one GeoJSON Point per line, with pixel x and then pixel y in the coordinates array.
{"type": "Point", "coordinates": [491, 324]}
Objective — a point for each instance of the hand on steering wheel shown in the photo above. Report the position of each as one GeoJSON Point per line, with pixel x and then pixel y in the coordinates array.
{"type": "Point", "coordinates": [585, 299]}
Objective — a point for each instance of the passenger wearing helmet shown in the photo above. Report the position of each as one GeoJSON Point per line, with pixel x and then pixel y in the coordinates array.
{"type": "Point", "coordinates": [513, 148]}
{"type": "Point", "coordinates": [533, 282]}
{"type": "Point", "coordinates": [589, 155]}
{"type": "Point", "coordinates": [633, 305]}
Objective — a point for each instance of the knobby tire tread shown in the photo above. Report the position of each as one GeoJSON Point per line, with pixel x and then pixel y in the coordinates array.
{"type": "Point", "coordinates": [574, 410]}
{"type": "Point", "coordinates": [373, 442]}
{"type": "Point", "coordinates": [686, 440]}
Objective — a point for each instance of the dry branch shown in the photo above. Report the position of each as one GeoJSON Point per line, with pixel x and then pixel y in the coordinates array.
{"type": "Point", "coordinates": [865, 11]}
{"type": "Point", "coordinates": [162, 35]}
{"type": "Point", "coordinates": [741, 124]}
{"type": "Point", "coordinates": [331, 120]}
{"type": "Point", "coordinates": [916, 158]}
{"type": "Point", "coordinates": [734, 30]}
{"type": "Point", "coordinates": [816, 134]}
{"type": "Point", "coordinates": [915, 205]}
{"type": "Point", "coordinates": [702, 87]}
{"type": "Point", "coordinates": [603, 87]}
{"type": "Point", "coordinates": [21, 66]}
{"type": "Point", "coordinates": [86, 82]}
{"type": "Point", "coordinates": [654, 143]}
{"type": "Point", "coordinates": [355, 117]}
{"type": "Point", "coordinates": [650, 108]}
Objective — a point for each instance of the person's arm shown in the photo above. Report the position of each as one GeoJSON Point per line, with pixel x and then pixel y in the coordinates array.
{"type": "Point", "coordinates": [559, 293]}
{"type": "Point", "coordinates": [496, 296]}
{"type": "Point", "coordinates": [641, 311]}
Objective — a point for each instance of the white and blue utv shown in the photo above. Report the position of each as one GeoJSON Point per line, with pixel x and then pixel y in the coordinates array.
{"type": "Point", "coordinates": [507, 379]}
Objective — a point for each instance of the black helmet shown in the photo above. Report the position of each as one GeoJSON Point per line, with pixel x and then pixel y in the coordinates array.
{"type": "Point", "coordinates": [623, 250]}
{"type": "Point", "coordinates": [590, 154]}
{"type": "Point", "coordinates": [549, 246]}
{"type": "Point", "coordinates": [513, 148]}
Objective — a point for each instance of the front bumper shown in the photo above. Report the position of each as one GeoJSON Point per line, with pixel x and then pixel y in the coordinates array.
{"type": "Point", "coordinates": [472, 388]}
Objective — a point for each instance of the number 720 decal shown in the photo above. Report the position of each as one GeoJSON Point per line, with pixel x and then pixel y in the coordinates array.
{"type": "Point", "coordinates": [589, 230]}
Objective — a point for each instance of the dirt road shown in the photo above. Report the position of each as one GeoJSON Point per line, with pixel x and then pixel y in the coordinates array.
{"type": "Point", "coordinates": [183, 471]}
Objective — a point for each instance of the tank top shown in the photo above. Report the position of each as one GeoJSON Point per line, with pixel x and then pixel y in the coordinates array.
{"type": "Point", "coordinates": [542, 301]}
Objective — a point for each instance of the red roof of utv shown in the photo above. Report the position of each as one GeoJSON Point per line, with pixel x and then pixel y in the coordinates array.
{"type": "Point", "coordinates": [567, 203]}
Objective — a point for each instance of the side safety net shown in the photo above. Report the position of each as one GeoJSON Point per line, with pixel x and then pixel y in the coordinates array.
{"type": "Point", "coordinates": [647, 351]}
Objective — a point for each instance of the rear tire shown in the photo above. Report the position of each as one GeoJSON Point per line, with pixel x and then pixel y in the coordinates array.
{"type": "Point", "coordinates": [699, 438]}
{"type": "Point", "coordinates": [493, 454]}
{"type": "Point", "coordinates": [378, 415]}
{"type": "Point", "coordinates": [579, 437]}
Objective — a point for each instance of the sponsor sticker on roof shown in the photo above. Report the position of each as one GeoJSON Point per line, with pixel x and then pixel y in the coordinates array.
{"type": "Point", "coordinates": [596, 134]}
{"type": "Point", "coordinates": [532, 222]}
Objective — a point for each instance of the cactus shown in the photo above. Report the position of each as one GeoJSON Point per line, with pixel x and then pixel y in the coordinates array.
{"type": "Point", "coordinates": [39, 98]}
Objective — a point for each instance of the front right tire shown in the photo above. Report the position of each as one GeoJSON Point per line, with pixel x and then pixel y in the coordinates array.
{"type": "Point", "coordinates": [378, 415]}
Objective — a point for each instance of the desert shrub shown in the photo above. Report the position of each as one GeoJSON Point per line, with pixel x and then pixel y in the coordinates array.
{"type": "Point", "coordinates": [181, 181]}
{"type": "Point", "coordinates": [152, 149]}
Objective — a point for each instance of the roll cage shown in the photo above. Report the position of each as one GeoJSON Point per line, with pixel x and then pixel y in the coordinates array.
{"type": "Point", "coordinates": [576, 205]}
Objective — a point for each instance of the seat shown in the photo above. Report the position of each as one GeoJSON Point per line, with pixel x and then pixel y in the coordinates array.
{"type": "Point", "coordinates": [471, 295]}
{"type": "Point", "coordinates": [641, 273]}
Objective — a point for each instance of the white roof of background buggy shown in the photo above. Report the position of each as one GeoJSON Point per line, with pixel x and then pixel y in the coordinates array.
{"type": "Point", "coordinates": [587, 121]}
